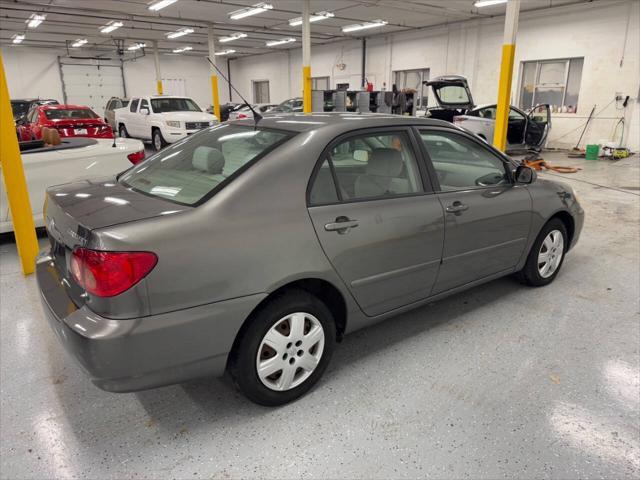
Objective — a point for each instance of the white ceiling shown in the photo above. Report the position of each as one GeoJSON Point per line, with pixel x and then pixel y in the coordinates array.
{"type": "Point", "coordinates": [68, 20]}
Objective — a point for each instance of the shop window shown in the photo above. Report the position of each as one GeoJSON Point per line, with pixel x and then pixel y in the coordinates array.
{"type": "Point", "coordinates": [556, 82]}
{"type": "Point", "coordinates": [261, 91]}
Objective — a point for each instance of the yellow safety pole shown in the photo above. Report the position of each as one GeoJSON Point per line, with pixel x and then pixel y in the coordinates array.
{"type": "Point", "coordinates": [506, 74]}
{"type": "Point", "coordinates": [15, 182]}
{"type": "Point", "coordinates": [306, 57]}
{"type": "Point", "coordinates": [156, 61]}
{"type": "Point", "coordinates": [214, 78]}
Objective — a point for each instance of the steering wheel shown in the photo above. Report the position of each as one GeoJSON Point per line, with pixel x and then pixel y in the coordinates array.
{"type": "Point", "coordinates": [490, 179]}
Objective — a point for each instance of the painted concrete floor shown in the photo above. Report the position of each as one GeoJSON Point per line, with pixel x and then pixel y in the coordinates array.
{"type": "Point", "coordinates": [501, 381]}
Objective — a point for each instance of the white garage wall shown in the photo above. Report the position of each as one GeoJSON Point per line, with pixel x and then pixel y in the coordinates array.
{"type": "Point", "coordinates": [593, 31]}
{"type": "Point", "coordinates": [34, 73]}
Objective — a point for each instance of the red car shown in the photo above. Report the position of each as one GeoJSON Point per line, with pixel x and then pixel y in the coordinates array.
{"type": "Point", "coordinates": [69, 120]}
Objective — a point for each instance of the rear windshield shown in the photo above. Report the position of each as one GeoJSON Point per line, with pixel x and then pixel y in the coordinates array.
{"type": "Point", "coordinates": [453, 94]}
{"type": "Point", "coordinates": [161, 105]}
{"type": "Point", "coordinates": [70, 114]}
{"type": "Point", "coordinates": [189, 170]}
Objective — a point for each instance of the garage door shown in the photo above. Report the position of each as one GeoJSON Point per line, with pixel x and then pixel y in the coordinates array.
{"type": "Point", "coordinates": [91, 85]}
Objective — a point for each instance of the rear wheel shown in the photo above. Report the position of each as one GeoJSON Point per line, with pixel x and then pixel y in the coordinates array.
{"type": "Point", "coordinates": [158, 139]}
{"type": "Point", "coordinates": [546, 255]}
{"type": "Point", "coordinates": [122, 131]}
{"type": "Point", "coordinates": [285, 349]}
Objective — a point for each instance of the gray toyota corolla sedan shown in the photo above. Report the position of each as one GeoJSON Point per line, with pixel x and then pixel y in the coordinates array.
{"type": "Point", "coordinates": [253, 249]}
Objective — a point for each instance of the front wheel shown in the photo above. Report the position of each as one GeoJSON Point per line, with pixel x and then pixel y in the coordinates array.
{"type": "Point", "coordinates": [158, 140]}
{"type": "Point", "coordinates": [122, 131]}
{"type": "Point", "coordinates": [285, 349]}
{"type": "Point", "coordinates": [546, 255]}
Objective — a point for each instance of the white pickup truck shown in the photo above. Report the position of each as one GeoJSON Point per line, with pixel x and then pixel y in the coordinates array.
{"type": "Point", "coordinates": [162, 119]}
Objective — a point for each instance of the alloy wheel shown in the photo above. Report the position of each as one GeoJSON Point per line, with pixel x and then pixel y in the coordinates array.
{"type": "Point", "coordinates": [290, 351]}
{"type": "Point", "coordinates": [550, 254]}
{"type": "Point", "coordinates": [157, 142]}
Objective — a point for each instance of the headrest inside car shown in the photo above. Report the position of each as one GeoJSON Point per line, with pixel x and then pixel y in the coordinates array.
{"type": "Point", "coordinates": [385, 162]}
{"type": "Point", "coordinates": [208, 159]}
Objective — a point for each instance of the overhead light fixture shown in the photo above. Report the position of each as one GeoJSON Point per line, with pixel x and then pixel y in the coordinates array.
{"type": "Point", "coordinates": [17, 38]}
{"type": "Point", "coordinates": [275, 43]}
{"type": "Point", "coordinates": [183, 49]}
{"type": "Point", "coordinates": [248, 11]}
{"type": "Point", "coordinates": [35, 19]}
{"type": "Point", "coordinates": [488, 3]}
{"type": "Point", "coordinates": [155, 6]}
{"type": "Point", "coordinates": [137, 46]}
{"type": "Point", "coordinates": [180, 33]}
{"type": "Point", "coordinates": [316, 17]}
{"type": "Point", "coordinates": [79, 42]}
{"type": "Point", "coordinates": [364, 26]}
{"type": "Point", "coordinates": [229, 51]}
{"type": "Point", "coordinates": [111, 26]}
{"type": "Point", "coordinates": [232, 37]}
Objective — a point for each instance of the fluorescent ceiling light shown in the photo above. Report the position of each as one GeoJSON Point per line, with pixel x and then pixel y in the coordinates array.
{"type": "Point", "coordinates": [232, 37]}
{"type": "Point", "coordinates": [364, 26]}
{"type": "Point", "coordinates": [137, 46]}
{"type": "Point", "coordinates": [275, 43]}
{"type": "Point", "coordinates": [247, 12]}
{"type": "Point", "coordinates": [488, 3]}
{"type": "Point", "coordinates": [183, 49]}
{"type": "Point", "coordinates": [17, 38]}
{"type": "Point", "coordinates": [180, 33]}
{"type": "Point", "coordinates": [79, 42]}
{"type": "Point", "coordinates": [35, 19]}
{"type": "Point", "coordinates": [228, 51]}
{"type": "Point", "coordinates": [316, 17]}
{"type": "Point", "coordinates": [111, 26]}
{"type": "Point", "coordinates": [161, 4]}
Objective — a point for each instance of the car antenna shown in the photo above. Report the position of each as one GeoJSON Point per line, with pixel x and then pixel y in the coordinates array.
{"type": "Point", "coordinates": [256, 116]}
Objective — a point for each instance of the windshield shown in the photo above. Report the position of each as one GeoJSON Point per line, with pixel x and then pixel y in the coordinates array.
{"type": "Point", "coordinates": [162, 105]}
{"type": "Point", "coordinates": [189, 170]}
{"type": "Point", "coordinates": [453, 94]}
{"type": "Point", "coordinates": [70, 114]}
{"type": "Point", "coordinates": [19, 108]}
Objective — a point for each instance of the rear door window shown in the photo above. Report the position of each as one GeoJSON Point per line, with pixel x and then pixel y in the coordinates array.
{"type": "Point", "coordinates": [134, 105]}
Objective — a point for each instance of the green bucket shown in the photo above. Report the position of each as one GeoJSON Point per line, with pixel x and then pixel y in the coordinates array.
{"type": "Point", "coordinates": [592, 152]}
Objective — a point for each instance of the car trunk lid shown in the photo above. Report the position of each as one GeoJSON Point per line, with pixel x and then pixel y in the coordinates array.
{"type": "Point", "coordinates": [451, 92]}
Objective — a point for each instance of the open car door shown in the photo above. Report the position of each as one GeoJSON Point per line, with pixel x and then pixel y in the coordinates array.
{"type": "Point", "coordinates": [538, 126]}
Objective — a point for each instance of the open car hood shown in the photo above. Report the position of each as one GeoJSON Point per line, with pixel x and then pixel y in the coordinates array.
{"type": "Point", "coordinates": [451, 92]}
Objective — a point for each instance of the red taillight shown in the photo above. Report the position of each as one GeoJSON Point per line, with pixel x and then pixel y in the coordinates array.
{"type": "Point", "coordinates": [242, 115]}
{"type": "Point", "coordinates": [136, 157]}
{"type": "Point", "coordinates": [107, 274]}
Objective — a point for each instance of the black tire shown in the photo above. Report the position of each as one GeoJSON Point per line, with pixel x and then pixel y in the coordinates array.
{"type": "Point", "coordinates": [157, 139]}
{"type": "Point", "coordinates": [122, 131]}
{"type": "Point", "coordinates": [242, 364]}
{"type": "Point", "coordinates": [530, 274]}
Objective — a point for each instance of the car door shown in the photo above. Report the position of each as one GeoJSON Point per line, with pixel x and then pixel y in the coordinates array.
{"type": "Point", "coordinates": [517, 125]}
{"type": "Point", "coordinates": [538, 126]}
{"type": "Point", "coordinates": [144, 128]}
{"type": "Point", "coordinates": [377, 219]}
{"type": "Point", "coordinates": [487, 216]}
{"type": "Point", "coordinates": [131, 118]}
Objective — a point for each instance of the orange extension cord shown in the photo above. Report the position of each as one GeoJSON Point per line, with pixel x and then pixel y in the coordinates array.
{"type": "Point", "coordinates": [542, 165]}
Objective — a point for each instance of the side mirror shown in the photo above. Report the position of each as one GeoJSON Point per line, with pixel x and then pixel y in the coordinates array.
{"type": "Point", "coordinates": [525, 174]}
{"type": "Point", "coordinates": [144, 111]}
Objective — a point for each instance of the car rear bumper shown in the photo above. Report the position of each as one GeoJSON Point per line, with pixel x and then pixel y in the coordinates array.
{"type": "Point", "coordinates": [147, 352]}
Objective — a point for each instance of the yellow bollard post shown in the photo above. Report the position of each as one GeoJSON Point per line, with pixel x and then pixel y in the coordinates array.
{"type": "Point", "coordinates": [215, 96]}
{"type": "Point", "coordinates": [506, 73]}
{"type": "Point", "coordinates": [15, 183]}
{"type": "Point", "coordinates": [156, 63]}
{"type": "Point", "coordinates": [306, 57]}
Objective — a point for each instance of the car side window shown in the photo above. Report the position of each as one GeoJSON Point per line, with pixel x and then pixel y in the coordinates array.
{"type": "Point", "coordinates": [144, 104]}
{"type": "Point", "coordinates": [33, 115]}
{"type": "Point", "coordinates": [515, 115]}
{"type": "Point", "coordinates": [460, 163]}
{"type": "Point", "coordinates": [488, 113]}
{"type": "Point", "coordinates": [134, 105]}
{"type": "Point", "coordinates": [375, 165]}
{"type": "Point", "coordinates": [323, 190]}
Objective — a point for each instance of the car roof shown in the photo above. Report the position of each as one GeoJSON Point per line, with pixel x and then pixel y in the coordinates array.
{"type": "Point", "coordinates": [64, 107]}
{"type": "Point", "coordinates": [339, 122]}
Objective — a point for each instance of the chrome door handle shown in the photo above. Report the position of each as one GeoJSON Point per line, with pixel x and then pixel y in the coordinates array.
{"type": "Point", "coordinates": [341, 225]}
{"type": "Point", "coordinates": [457, 208]}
